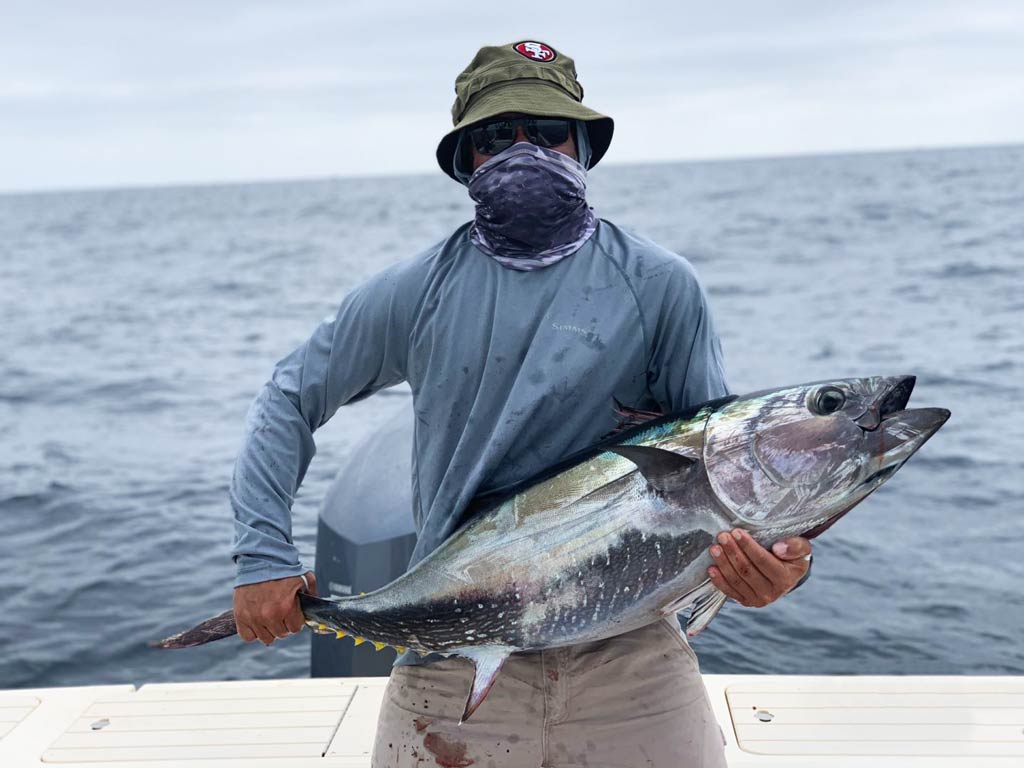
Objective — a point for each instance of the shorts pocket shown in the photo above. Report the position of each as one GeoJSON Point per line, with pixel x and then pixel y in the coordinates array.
{"type": "Point", "coordinates": [439, 687]}
{"type": "Point", "coordinates": [670, 626]}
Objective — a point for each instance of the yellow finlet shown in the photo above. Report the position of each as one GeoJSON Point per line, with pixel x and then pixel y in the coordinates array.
{"type": "Point", "coordinates": [379, 646]}
{"type": "Point", "coordinates": [360, 640]}
{"type": "Point", "coordinates": [322, 627]}
{"type": "Point", "coordinates": [338, 634]}
{"type": "Point", "coordinates": [400, 648]}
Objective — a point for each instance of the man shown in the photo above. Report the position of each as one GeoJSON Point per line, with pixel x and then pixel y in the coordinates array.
{"type": "Point", "coordinates": [516, 334]}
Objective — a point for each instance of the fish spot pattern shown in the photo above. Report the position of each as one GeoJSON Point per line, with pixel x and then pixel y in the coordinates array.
{"type": "Point", "coordinates": [439, 625]}
{"type": "Point", "coordinates": [627, 573]}
{"type": "Point", "coordinates": [562, 608]}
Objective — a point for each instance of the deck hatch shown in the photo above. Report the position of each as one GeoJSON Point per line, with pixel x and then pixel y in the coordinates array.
{"type": "Point", "coordinates": [13, 709]}
{"type": "Point", "coordinates": [176, 722]}
{"type": "Point", "coordinates": [861, 716]}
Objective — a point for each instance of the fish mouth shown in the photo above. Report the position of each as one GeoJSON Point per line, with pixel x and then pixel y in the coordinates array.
{"type": "Point", "coordinates": [883, 474]}
{"type": "Point", "coordinates": [899, 435]}
{"type": "Point", "coordinates": [893, 401]}
{"type": "Point", "coordinates": [898, 396]}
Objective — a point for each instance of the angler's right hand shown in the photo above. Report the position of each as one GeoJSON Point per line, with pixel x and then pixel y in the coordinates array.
{"type": "Point", "coordinates": [269, 610]}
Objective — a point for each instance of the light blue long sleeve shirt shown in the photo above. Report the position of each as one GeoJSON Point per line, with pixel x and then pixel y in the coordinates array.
{"type": "Point", "coordinates": [510, 372]}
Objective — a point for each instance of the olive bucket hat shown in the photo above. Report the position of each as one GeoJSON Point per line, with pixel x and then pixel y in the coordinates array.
{"type": "Point", "coordinates": [527, 77]}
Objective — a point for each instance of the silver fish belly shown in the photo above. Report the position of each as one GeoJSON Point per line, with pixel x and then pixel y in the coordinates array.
{"type": "Point", "coordinates": [617, 537]}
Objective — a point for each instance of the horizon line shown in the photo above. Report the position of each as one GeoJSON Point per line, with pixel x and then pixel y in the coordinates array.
{"type": "Point", "coordinates": [211, 183]}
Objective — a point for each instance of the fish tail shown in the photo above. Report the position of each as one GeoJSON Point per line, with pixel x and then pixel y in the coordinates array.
{"type": "Point", "coordinates": [339, 617]}
{"type": "Point", "coordinates": [212, 629]}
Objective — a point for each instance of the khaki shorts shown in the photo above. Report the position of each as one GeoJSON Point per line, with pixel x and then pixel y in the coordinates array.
{"type": "Point", "coordinates": [635, 700]}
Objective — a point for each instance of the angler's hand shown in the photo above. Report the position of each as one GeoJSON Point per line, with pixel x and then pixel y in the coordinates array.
{"type": "Point", "coordinates": [753, 576]}
{"type": "Point", "coordinates": [269, 610]}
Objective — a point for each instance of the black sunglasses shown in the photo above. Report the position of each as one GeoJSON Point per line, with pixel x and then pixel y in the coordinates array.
{"type": "Point", "coordinates": [496, 136]}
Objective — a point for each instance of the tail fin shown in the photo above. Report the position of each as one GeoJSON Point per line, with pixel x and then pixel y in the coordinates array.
{"type": "Point", "coordinates": [206, 632]}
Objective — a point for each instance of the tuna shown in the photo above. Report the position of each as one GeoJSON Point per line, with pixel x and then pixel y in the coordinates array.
{"type": "Point", "coordinates": [618, 536]}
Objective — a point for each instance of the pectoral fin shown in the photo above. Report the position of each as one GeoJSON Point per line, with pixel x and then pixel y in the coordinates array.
{"type": "Point", "coordinates": [488, 661]}
{"type": "Point", "coordinates": [666, 471]}
{"type": "Point", "coordinates": [704, 610]}
{"type": "Point", "coordinates": [701, 591]}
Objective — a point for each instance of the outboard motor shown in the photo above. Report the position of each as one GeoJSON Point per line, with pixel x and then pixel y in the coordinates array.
{"type": "Point", "coordinates": [365, 537]}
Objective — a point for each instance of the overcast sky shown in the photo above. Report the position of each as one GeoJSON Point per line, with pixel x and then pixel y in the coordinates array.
{"type": "Point", "coordinates": [96, 94]}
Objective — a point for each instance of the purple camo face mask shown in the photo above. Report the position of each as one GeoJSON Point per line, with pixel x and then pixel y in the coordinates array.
{"type": "Point", "coordinates": [531, 207]}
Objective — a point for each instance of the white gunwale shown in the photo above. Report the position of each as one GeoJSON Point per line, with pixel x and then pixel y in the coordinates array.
{"type": "Point", "coordinates": [768, 722]}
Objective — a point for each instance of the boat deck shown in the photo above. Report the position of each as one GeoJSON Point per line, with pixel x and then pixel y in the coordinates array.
{"type": "Point", "coordinates": [838, 722]}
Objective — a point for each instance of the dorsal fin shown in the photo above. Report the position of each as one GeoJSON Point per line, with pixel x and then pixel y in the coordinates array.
{"type": "Point", "coordinates": [667, 471]}
{"type": "Point", "coordinates": [631, 417]}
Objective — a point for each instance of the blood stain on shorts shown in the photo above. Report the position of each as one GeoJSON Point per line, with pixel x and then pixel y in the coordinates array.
{"type": "Point", "coordinates": [447, 754]}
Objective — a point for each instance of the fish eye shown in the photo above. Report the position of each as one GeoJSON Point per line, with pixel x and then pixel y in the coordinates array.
{"type": "Point", "coordinates": [827, 400]}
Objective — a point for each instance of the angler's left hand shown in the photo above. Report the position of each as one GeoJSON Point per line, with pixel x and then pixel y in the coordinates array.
{"type": "Point", "coordinates": [753, 576]}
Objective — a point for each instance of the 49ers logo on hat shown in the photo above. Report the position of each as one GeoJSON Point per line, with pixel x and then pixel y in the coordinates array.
{"type": "Point", "coordinates": [535, 51]}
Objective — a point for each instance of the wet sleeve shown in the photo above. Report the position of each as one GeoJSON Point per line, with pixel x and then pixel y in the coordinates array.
{"type": "Point", "coordinates": [361, 349]}
{"type": "Point", "coordinates": [685, 366]}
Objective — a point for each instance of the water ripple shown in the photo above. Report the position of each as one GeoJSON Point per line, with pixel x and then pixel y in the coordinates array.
{"type": "Point", "coordinates": [124, 394]}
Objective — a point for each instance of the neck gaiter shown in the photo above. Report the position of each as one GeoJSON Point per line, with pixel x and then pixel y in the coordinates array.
{"type": "Point", "coordinates": [531, 207]}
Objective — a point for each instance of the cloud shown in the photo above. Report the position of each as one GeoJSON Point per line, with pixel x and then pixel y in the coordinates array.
{"type": "Point", "coordinates": [148, 94]}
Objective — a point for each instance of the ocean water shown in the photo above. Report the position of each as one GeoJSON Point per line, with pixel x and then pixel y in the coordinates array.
{"type": "Point", "coordinates": [136, 325]}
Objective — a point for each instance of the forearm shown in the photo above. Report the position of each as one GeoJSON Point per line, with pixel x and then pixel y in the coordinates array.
{"type": "Point", "coordinates": [276, 451]}
{"type": "Point", "coordinates": [358, 351]}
